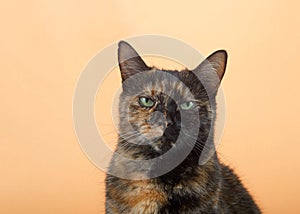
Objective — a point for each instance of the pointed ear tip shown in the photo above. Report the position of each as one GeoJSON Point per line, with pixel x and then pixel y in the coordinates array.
{"type": "Point", "coordinates": [122, 43]}
{"type": "Point", "coordinates": [122, 46]}
{"type": "Point", "coordinates": [222, 52]}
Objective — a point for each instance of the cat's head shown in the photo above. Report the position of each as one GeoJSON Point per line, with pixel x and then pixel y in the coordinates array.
{"type": "Point", "coordinates": [156, 105]}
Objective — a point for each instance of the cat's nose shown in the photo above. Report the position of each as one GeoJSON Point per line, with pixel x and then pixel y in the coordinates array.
{"type": "Point", "coordinates": [157, 118]}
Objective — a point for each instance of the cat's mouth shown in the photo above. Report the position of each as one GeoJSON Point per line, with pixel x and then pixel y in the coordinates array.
{"type": "Point", "coordinates": [161, 138]}
{"type": "Point", "coordinates": [156, 132]}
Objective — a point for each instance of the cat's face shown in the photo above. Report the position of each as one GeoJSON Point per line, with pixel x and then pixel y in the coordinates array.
{"type": "Point", "coordinates": [158, 106]}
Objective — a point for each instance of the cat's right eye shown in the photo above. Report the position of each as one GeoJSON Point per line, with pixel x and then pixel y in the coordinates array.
{"type": "Point", "coordinates": [187, 105]}
{"type": "Point", "coordinates": [146, 102]}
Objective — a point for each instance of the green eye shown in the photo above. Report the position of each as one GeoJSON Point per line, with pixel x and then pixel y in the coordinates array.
{"type": "Point", "coordinates": [146, 102]}
{"type": "Point", "coordinates": [187, 105]}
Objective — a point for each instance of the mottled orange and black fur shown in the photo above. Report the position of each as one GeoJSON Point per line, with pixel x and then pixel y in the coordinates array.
{"type": "Point", "coordinates": [189, 187]}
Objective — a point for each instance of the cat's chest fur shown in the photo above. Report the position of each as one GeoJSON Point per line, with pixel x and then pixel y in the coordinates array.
{"type": "Point", "coordinates": [161, 195]}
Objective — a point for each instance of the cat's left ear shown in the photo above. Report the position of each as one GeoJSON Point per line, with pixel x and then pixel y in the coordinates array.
{"type": "Point", "coordinates": [211, 70]}
{"type": "Point", "coordinates": [130, 62]}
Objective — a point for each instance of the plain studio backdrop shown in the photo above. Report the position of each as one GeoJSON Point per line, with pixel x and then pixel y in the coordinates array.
{"type": "Point", "coordinates": [45, 45]}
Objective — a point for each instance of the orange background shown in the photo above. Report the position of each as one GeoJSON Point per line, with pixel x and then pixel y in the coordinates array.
{"type": "Point", "coordinates": [45, 44]}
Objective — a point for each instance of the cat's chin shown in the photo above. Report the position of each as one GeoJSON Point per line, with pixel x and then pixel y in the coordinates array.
{"type": "Point", "coordinates": [162, 145]}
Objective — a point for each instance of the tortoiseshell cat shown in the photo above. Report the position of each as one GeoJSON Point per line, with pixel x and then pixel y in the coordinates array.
{"type": "Point", "coordinates": [189, 187]}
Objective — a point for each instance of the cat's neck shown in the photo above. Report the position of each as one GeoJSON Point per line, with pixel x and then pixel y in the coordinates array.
{"type": "Point", "coordinates": [190, 169]}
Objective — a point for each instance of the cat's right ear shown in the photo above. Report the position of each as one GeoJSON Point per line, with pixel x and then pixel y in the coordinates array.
{"type": "Point", "coordinates": [130, 62]}
{"type": "Point", "coordinates": [211, 71]}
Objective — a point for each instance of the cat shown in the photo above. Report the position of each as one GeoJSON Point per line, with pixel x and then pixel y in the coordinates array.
{"type": "Point", "coordinates": [189, 187]}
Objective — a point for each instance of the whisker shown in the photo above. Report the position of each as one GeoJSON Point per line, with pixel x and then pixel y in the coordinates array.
{"type": "Point", "coordinates": [128, 134]}
{"type": "Point", "coordinates": [126, 139]}
{"type": "Point", "coordinates": [198, 144]}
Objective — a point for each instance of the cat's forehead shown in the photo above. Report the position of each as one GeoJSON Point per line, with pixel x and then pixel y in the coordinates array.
{"type": "Point", "coordinates": [165, 83]}
{"type": "Point", "coordinates": [178, 85]}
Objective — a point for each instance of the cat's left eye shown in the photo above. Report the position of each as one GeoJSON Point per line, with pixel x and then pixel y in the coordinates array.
{"type": "Point", "coordinates": [146, 102]}
{"type": "Point", "coordinates": [187, 105]}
